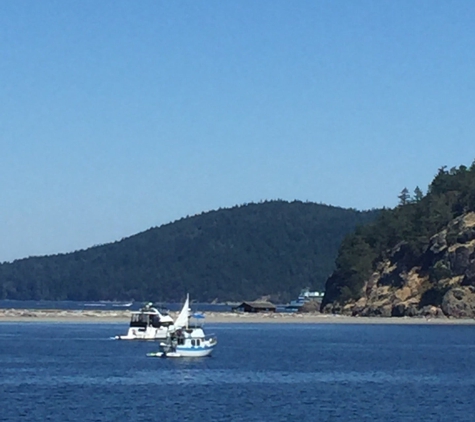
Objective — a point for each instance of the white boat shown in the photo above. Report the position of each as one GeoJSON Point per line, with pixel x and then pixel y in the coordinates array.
{"type": "Point", "coordinates": [148, 324]}
{"type": "Point", "coordinates": [185, 338]}
{"type": "Point", "coordinates": [123, 305]}
{"type": "Point", "coordinates": [304, 297]}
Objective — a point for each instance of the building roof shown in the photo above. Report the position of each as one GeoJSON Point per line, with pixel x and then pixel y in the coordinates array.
{"type": "Point", "coordinates": [257, 305]}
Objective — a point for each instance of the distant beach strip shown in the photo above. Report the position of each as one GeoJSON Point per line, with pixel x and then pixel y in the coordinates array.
{"type": "Point", "coordinates": [123, 316]}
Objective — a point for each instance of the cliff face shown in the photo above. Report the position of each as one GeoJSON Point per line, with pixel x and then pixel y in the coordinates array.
{"type": "Point", "coordinates": [439, 283]}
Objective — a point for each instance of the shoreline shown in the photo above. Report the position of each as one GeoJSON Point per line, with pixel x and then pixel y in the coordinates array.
{"type": "Point", "coordinates": [123, 317]}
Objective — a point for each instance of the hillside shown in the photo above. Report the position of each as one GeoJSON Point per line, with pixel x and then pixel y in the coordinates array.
{"type": "Point", "coordinates": [272, 248]}
{"type": "Point", "coordinates": [415, 260]}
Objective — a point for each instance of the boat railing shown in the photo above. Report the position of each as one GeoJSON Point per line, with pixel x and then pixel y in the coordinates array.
{"type": "Point", "coordinates": [211, 336]}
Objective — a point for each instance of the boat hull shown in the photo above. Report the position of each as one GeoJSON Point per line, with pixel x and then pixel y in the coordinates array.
{"type": "Point", "coordinates": [169, 351]}
{"type": "Point", "coordinates": [195, 353]}
{"type": "Point", "coordinates": [147, 334]}
{"type": "Point", "coordinates": [184, 353]}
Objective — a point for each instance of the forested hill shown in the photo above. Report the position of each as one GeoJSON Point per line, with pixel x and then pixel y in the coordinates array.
{"type": "Point", "coordinates": [272, 248]}
{"type": "Point", "coordinates": [417, 259]}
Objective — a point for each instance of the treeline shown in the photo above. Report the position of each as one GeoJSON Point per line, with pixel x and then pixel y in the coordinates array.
{"type": "Point", "coordinates": [272, 248]}
{"type": "Point", "coordinates": [414, 221]}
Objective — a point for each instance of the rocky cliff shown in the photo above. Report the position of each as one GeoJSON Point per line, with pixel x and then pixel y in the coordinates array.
{"type": "Point", "coordinates": [438, 283]}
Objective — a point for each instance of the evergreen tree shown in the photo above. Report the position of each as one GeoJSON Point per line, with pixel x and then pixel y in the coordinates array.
{"type": "Point", "coordinates": [404, 197]}
{"type": "Point", "coordinates": [418, 195]}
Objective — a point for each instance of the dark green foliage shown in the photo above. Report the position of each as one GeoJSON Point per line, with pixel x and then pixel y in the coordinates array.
{"type": "Point", "coordinates": [439, 271]}
{"type": "Point", "coordinates": [418, 195]}
{"type": "Point", "coordinates": [406, 228]}
{"type": "Point", "coordinates": [433, 296]}
{"type": "Point", "coordinates": [452, 235]}
{"type": "Point", "coordinates": [272, 248]}
{"type": "Point", "coordinates": [404, 197]}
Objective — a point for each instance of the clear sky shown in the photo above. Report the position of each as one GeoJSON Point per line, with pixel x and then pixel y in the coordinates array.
{"type": "Point", "coordinates": [117, 116]}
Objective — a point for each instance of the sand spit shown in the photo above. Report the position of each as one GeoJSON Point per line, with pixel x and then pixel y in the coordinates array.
{"type": "Point", "coordinates": [121, 316]}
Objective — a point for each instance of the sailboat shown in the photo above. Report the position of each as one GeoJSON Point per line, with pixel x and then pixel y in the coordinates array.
{"type": "Point", "coordinates": [186, 338]}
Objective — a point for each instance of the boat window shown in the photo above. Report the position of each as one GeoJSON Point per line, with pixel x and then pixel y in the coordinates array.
{"type": "Point", "coordinates": [155, 320]}
{"type": "Point", "coordinates": [139, 320]}
{"type": "Point", "coordinates": [198, 342]}
{"type": "Point", "coordinates": [192, 342]}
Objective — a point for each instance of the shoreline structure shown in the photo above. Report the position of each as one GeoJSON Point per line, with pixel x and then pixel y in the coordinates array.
{"type": "Point", "coordinates": [123, 317]}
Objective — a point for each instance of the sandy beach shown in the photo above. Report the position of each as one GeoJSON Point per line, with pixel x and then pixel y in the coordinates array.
{"type": "Point", "coordinates": [97, 316]}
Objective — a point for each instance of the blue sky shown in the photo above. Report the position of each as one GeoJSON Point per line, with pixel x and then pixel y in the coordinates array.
{"type": "Point", "coordinates": [117, 116]}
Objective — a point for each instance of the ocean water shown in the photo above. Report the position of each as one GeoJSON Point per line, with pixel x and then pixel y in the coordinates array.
{"type": "Point", "coordinates": [258, 372]}
{"type": "Point", "coordinates": [104, 305]}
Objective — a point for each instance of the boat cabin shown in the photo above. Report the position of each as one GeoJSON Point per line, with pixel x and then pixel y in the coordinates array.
{"type": "Point", "coordinates": [149, 317]}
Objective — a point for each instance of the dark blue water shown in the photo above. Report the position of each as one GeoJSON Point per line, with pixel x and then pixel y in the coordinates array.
{"type": "Point", "coordinates": [104, 306]}
{"type": "Point", "coordinates": [259, 372]}
{"type": "Point", "coordinates": [115, 306]}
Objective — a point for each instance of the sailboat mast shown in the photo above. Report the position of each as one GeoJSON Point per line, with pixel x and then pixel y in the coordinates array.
{"type": "Point", "coordinates": [188, 310]}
